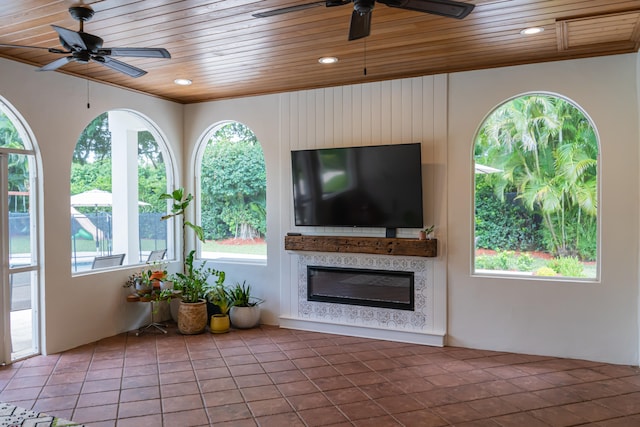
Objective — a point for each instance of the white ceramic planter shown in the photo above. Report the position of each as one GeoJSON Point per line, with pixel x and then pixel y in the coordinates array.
{"type": "Point", "coordinates": [245, 317]}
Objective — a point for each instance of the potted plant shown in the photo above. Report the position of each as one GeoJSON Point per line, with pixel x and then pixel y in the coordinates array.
{"type": "Point", "coordinates": [194, 287]}
{"type": "Point", "coordinates": [426, 233]}
{"type": "Point", "coordinates": [220, 296]}
{"type": "Point", "coordinates": [191, 283]}
{"type": "Point", "coordinates": [245, 308]}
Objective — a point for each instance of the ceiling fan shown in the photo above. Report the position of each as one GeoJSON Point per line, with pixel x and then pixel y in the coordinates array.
{"type": "Point", "coordinates": [361, 17]}
{"type": "Point", "coordinates": [84, 47]}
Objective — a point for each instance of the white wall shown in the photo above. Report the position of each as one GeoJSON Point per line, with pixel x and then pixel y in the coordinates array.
{"type": "Point", "coordinates": [80, 309]}
{"type": "Point", "coordinates": [597, 321]}
{"type": "Point", "coordinates": [260, 114]}
{"type": "Point", "coordinates": [591, 321]}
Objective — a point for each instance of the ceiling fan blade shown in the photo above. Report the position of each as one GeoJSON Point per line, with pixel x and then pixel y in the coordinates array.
{"type": "Point", "coordinates": [137, 52]}
{"type": "Point", "coordinates": [120, 66]}
{"type": "Point", "coordinates": [448, 8]}
{"type": "Point", "coordinates": [70, 38]}
{"type": "Point", "coordinates": [49, 49]}
{"type": "Point", "coordinates": [360, 25]}
{"type": "Point", "coordinates": [281, 11]}
{"type": "Point", "coordinates": [56, 64]}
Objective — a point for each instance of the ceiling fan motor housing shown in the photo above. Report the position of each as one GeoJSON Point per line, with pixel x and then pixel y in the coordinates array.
{"type": "Point", "coordinates": [363, 6]}
{"type": "Point", "coordinates": [81, 13]}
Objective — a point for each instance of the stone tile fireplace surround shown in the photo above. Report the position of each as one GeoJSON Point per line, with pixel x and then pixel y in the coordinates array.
{"type": "Point", "coordinates": [424, 325]}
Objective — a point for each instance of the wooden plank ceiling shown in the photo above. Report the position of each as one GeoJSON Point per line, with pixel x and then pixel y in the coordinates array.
{"type": "Point", "coordinates": [227, 52]}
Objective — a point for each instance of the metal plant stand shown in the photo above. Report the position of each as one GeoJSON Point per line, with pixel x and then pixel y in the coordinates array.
{"type": "Point", "coordinates": [159, 326]}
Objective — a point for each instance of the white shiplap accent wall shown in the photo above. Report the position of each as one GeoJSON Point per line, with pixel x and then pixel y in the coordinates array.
{"type": "Point", "coordinates": [389, 112]}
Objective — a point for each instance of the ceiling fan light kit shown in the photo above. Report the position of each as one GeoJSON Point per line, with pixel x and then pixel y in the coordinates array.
{"type": "Point", "coordinates": [360, 26]}
{"type": "Point", "coordinates": [83, 48]}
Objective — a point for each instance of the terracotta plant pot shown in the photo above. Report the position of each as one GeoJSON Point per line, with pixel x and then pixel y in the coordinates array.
{"type": "Point", "coordinates": [192, 317]}
{"type": "Point", "coordinates": [157, 275]}
{"type": "Point", "coordinates": [219, 324]}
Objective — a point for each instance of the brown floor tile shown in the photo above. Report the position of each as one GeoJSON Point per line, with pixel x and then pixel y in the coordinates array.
{"type": "Point", "coordinates": [457, 413]}
{"type": "Point", "coordinates": [526, 401]}
{"type": "Point", "coordinates": [593, 411]}
{"type": "Point", "coordinates": [196, 417]}
{"type": "Point", "coordinates": [276, 377]}
{"type": "Point", "coordinates": [321, 416]}
{"type": "Point", "coordinates": [221, 398]}
{"type": "Point", "coordinates": [232, 412]}
{"type": "Point", "coordinates": [95, 413]}
{"type": "Point", "coordinates": [346, 395]}
{"type": "Point", "coordinates": [290, 419]}
{"type": "Point", "coordinates": [253, 380]}
{"type": "Point", "coordinates": [60, 390]}
{"type": "Point", "coordinates": [135, 382]}
{"type": "Point", "coordinates": [298, 387]}
{"type": "Point", "coordinates": [262, 408]}
{"type": "Point", "coordinates": [399, 403]}
{"type": "Point", "coordinates": [142, 407]}
{"type": "Point", "coordinates": [363, 409]}
{"type": "Point", "coordinates": [99, 398]}
{"type": "Point", "coordinates": [260, 392]}
{"type": "Point", "coordinates": [147, 420]}
{"type": "Point", "coordinates": [384, 421]}
{"type": "Point", "coordinates": [493, 407]}
{"type": "Point", "coordinates": [332, 383]}
{"type": "Point", "coordinates": [56, 404]}
{"type": "Point", "coordinates": [628, 404]}
{"type": "Point", "coordinates": [287, 376]}
{"type": "Point", "coordinates": [421, 418]}
{"type": "Point", "coordinates": [309, 401]}
{"type": "Point", "coordinates": [378, 390]}
{"type": "Point", "coordinates": [141, 393]}
{"type": "Point", "coordinates": [520, 419]}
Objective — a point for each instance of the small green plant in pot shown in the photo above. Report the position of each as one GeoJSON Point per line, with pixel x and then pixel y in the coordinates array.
{"type": "Point", "coordinates": [220, 296]}
{"type": "Point", "coordinates": [245, 308]}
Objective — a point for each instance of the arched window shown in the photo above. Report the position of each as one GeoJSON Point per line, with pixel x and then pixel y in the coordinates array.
{"type": "Point", "coordinates": [536, 190]}
{"type": "Point", "coordinates": [119, 169]}
{"type": "Point", "coordinates": [18, 237]}
{"type": "Point", "coordinates": [233, 192]}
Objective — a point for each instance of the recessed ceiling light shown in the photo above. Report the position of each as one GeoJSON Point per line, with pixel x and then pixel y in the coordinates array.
{"type": "Point", "coordinates": [328, 60]}
{"type": "Point", "coordinates": [531, 30]}
{"type": "Point", "coordinates": [182, 82]}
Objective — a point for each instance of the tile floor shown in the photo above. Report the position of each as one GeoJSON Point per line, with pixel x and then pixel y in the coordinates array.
{"type": "Point", "coordinates": [276, 377]}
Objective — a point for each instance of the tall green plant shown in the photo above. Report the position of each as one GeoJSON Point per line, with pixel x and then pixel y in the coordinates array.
{"type": "Point", "coordinates": [179, 205]}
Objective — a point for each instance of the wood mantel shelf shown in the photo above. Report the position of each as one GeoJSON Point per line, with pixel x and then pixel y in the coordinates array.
{"type": "Point", "coordinates": [363, 245]}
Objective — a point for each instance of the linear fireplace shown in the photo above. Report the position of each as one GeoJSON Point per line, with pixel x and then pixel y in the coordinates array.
{"type": "Point", "coordinates": [358, 286]}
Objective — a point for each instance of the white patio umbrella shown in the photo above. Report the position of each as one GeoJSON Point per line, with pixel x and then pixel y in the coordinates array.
{"type": "Point", "coordinates": [95, 198]}
{"type": "Point", "coordinates": [486, 169]}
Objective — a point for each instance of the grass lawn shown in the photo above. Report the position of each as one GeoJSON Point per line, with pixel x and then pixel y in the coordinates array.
{"type": "Point", "coordinates": [510, 262]}
{"type": "Point", "coordinates": [236, 246]}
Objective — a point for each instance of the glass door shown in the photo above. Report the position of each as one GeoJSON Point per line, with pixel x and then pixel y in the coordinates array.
{"type": "Point", "coordinates": [18, 250]}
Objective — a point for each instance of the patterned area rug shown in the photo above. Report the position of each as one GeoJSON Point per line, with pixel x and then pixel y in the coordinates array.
{"type": "Point", "coordinates": [14, 416]}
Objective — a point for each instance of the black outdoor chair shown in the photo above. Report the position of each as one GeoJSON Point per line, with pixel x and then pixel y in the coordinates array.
{"type": "Point", "coordinates": [156, 255]}
{"type": "Point", "coordinates": [107, 261]}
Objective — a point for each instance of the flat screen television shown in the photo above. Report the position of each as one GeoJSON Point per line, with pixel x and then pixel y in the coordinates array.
{"type": "Point", "coordinates": [369, 186]}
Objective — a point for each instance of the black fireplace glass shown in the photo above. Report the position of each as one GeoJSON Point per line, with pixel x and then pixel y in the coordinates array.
{"type": "Point", "coordinates": [355, 286]}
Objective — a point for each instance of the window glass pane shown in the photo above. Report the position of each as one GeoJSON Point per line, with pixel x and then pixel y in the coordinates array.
{"type": "Point", "coordinates": [233, 192]}
{"type": "Point", "coordinates": [536, 190]}
{"type": "Point", "coordinates": [9, 137]}
{"type": "Point", "coordinates": [107, 207]}
{"type": "Point", "coordinates": [20, 226]}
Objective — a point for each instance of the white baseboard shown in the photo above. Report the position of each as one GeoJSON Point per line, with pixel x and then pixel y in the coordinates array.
{"type": "Point", "coordinates": [400, 335]}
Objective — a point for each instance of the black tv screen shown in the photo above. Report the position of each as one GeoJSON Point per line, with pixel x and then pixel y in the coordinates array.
{"type": "Point", "coordinates": [370, 186]}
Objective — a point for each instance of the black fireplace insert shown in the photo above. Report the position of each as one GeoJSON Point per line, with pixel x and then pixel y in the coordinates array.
{"type": "Point", "coordinates": [356, 286]}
